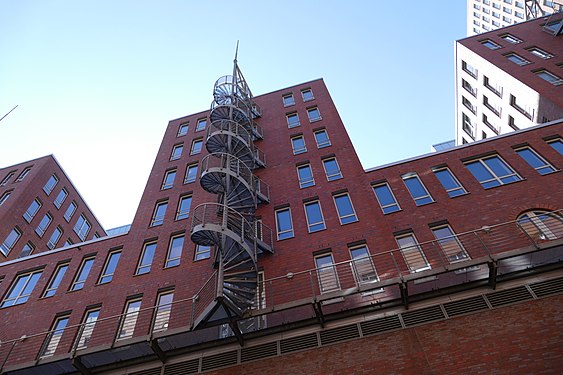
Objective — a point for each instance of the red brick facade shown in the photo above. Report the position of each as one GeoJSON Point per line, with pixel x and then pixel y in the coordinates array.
{"type": "Point", "coordinates": [424, 349]}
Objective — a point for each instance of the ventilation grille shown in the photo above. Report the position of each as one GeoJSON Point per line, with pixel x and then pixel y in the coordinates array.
{"type": "Point", "coordinates": [421, 316]}
{"type": "Point", "coordinates": [546, 288]}
{"type": "Point", "coordinates": [466, 306]}
{"type": "Point", "coordinates": [381, 325]}
{"type": "Point", "coordinates": [187, 367]}
{"type": "Point", "coordinates": [506, 297]}
{"type": "Point", "coordinates": [340, 334]}
{"type": "Point", "coordinates": [258, 352]}
{"type": "Point", "coordinates": [299, 343]}
{"type": "Point", "coordinates": [152, 371]}
{"type": "Point", "coordinates": [219, 360]}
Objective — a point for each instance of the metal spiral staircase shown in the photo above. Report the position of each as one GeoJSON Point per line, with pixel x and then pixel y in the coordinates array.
{"type": "Point", "coordinates": [230, 224]}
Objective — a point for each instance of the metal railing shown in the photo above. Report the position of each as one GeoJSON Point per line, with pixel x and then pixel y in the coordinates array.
{"type": "Point", "coordinates": [376, 279]}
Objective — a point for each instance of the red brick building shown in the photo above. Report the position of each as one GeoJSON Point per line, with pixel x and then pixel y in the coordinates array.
{"type": "Point", "coordinates": [446, 262]}
{"type": "Point", "coordinates": [40, 210]}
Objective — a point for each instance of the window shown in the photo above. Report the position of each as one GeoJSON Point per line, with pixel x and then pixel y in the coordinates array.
{"type": "Point", "coordinates": [110, 267]}
{"type": "Point", "coordinates": [326, 272]}
{"type": "Point", "coordinates": [492, 171]}
{"type": "Point", "coordinates": [496, 5]}
{"type": "Point", "coordinates": [60, 198]}
{"type": "Point", "coordinates": [27, 249]}
{"type": "Point", "coordinates": [496, 23]}
{"type": "Point", "coordinates": [540, 53]}
{"type": "Point", "coordinates": [43, 224]}
{"type": "Point", "coordinates": [82, 227]}
{"type": "Point", "coordinates": [450, 244]}
{"type": "Point", "coordinates": [298, 145]}
{"type": "Point", "coordinates": [55, 237]}
{"type": "Point", "coordinates": [523, 109]}
{"type": "Point", "coordinates": [23, 175]}
{"type": "Point", "coordinates": [520, 5]}
{"type": "Point", "coordinates": [386, 199]}
{"type": "Point", "coordinates": [321, 137]}
{"type": "Point", "coordinates": [50, 185]}
{"type": "Point", "coordinates": [202, 252]}
{"type": "Point", "coordinates": [535, 160]}
{"type": "Point", "coordinates": [201, 124]}
{"type": "Point", "coordinates": [517, 59]}
{"type": "Point", "coordinates": [346, 212]}
{"type": "Point", "coordinates": [554, 27]}
{"type": "Point", "coordinates": [307, 95]}
{"type": "Point", "coordinates": [315, 219]}
{"type": "Point", "coordinates": [541, 225]}
{"type": "Point", "coordinates": [174, 251]}
{"type": "Point", "coordinates": [87, 328]}
{"type": "Point", "coordinates": [362, 265]}
{"type": "Point", "coordinates": [4, 197]}
{"type": "Point", "coordinates": [467, 125]}
{"type": "Point", "coordinates": [490, 106]}
{"type": "Point", "coordinates": [314, 114]}
{"type": "Point", "coordinates": [184, 207]}
{"type": "Point", "coordinates": [21, 289]}
{"type": "Point", "coordinates": [183, 129]}
{"type": "Point", "coordinates": [467, 103]}
{"type": "Point", "coordinates": [284, 225]}
{"type": "Point", "coordinates": [305, 175]}
{"type": "Point", "coordinates": [55, 281]}
{"type": "Point", "coordinates": [147, 256]}
{"type": "Point", "coordinates": [449, 182]}
{"type": "Point", "coordinates": [82, 274]}
{"type": "Point", "coordinates": [191, 173]}
{"type": "Point", "coordinates": [469, 69]}
{"type": "Point", "coordinates": [159, 213]}
{"type": "Point", "coordinates": [332, 169]}
{"type": "Point", "coordinates": [288, 100]}
{"type": "Point", "coordinates": [54, 337]}
{"type": "Point", "coordinates": [292, 120]}
{"type": "Point", "coordinates": [507, 19]}
{"type": "Point", "coordinates": [412, 253]}
{"type": "Point", "coordinates": [7, 178]}
{"type": "Point", "coordinates": [177, 152]}
{"type": "Point", "coordinates": [162, 313]}
{"type": "Point", "coordinates": [169, 177]}
{"type": "Point", "coordinates": [489, 43]}
{"type": "Point", "coordinates": [129, 319]}
{"type": "Point", "coordinates": [495, 88]}
{"type": "Point", "coordinates": [417, 189]}
{"type": "Point", "coordinates": [196, 146]}
{"type": "Point", "coordinates": [557, 145]}
{"type": "Point", "coordinates": [32, 210]}
{"type": "Point", "coordinates": [549, 77]}
{"type": "Point", "coordinates": [70, 211]}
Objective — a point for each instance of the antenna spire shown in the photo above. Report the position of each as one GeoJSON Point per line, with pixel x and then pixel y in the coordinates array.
{"type": "Point", "coordinates": [236, 53]}
{"type": "Point", "coordinates": [18, 104]}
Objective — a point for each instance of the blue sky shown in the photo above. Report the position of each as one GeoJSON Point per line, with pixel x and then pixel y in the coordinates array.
{"type": "Point", "coordinates": [97, 82]}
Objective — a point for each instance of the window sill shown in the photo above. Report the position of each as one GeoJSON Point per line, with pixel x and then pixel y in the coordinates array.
{"type": "Point", "coordinates": [287, 238]}
{"type": "Point", "coordinates": [508, 183]}
{"type": "Point", "coordinates": [389, 213]}
{"type": "Point", "coordinates": [315, 120]}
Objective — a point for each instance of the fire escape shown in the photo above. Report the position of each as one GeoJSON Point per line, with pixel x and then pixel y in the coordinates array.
{"type": "Point", "coordinates": [230, 225]}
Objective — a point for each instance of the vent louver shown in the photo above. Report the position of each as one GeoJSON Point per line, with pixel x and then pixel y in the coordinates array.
{"type": "Point", "coordinates": [187, 367]}
{"type": "Point", "coordinates": [152, 371]}
{"type": "Point", "coordinates": [258, 352]}
{"type": "Point", "coordinates": [421, 316]}
{"type": "Point", "coordinates": [546, 288]}
{"type": "Point", "coordinates": [388, 323]}
{"type": "Point", "coordinates": [508, 296]}
{"type": "Point", "coordinates": [299, 343]}
{"type": "Point", "coordinates": [219, 360]}
{"type": "Point", "coordinates": [465, 306]}
{"type": "Point", "coordinates": [340, 334]}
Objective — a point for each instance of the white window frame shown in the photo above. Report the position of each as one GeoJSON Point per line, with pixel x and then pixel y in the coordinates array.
{"type": "Point", "coordinates": [326, 143]}
{"type": "Point", "coordinates": [288, 100]}
{"type": "Point", "coordinates": [165, 183]}
{"type": "Point", "coordinates": [327, 275]}
{"type": "Point", "coordinates": [145, 268]}
{"type": "Point", "coordinates": [162, 312]}
{"type": "Point", "coordinates": [362, 266]}
{"type": "Point", "coordinates": [292, 115]}
{"type": "Point", "coordinates": [87, 328]}
{"type": "Point", "coordinates": [189, 168]}
{"type": "Point", "coordinates": [452, 192]}
{"type": "Point", "coordinates": [544, 168]}
{"type": "Point", "coordinates": [310, 111]}
{"type": "Point", "coordinates": [342, 217]}
{"type": "Point", "coordinates": [175, 154]}
{"type": "Point", "coordinates": [309, 224]}
{"type": "Point", "coordinates": [173, 262]}
{"type": "Point", "coordinates": [158, 220]}
{"type": "Point", "coordinates": [107, 273]}
{"type": "Point", "coordinates": [282, 233]}
{"type": "Point", "coordinates": [305, 182]}
{"type": "Point", "coordinates": [197, 141]}
{"type": "Point", "coordinates": [451, 246]}
{"type": "Point", "coordinates": [14, 298]}
{"type": "Point", "coordinates": [54, 337]}
{"type": "Point", "coordinates": [304, 92]}
{"type": "Point", "coordinates": [129, 319]}
{"type": "Point", "coordinates": [199, 127]}
{"type": "Point", "coordinates": [80, 279]}
{"type": "Point", "coordinates": [27, 215]}
{"type": "Point", "coordinates": [390, 205]}
{"type": "Point", "coordinates": [418, 200]}
{"type": "Point", "coordinates": [298, 150]}
{"type": "Point", "coordinates": [334, 175]}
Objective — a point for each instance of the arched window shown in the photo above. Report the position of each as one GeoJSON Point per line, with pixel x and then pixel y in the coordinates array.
{"type": "Point", "coordinates": [542, 225]}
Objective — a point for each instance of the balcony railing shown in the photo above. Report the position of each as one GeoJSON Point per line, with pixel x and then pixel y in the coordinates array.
{"type": "Point", "coordinates": [387, 278]}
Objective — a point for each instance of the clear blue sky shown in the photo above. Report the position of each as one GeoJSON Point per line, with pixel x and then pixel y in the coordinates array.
{"type": "Point", "coordinates": [97, 82]}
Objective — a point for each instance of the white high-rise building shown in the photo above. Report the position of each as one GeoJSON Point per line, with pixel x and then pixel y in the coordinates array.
{"type": "Point", "coordinates": [487, 15]}
{"type": "Point", "coordinates": [509, 79]}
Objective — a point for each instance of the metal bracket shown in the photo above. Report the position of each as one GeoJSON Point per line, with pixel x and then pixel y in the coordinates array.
{"type": "Point", "coordinates": [493, 268]}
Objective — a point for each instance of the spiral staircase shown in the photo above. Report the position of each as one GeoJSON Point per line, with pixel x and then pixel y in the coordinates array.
{"type": "Point", "coordinates": [230, 224]}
